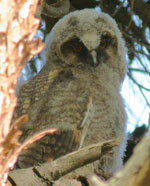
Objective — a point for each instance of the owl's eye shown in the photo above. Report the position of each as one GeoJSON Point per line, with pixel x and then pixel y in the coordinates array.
{"type": "Point", "coordinates": [77, 47]}
{"type": "Point", "coordinates": [103, 44]}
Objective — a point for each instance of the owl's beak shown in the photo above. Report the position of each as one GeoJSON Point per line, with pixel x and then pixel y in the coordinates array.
{"type": "Point", "coordinates": [94, 57]}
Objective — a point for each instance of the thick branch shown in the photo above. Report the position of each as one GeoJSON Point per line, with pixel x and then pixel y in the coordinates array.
{"type": "Point", "coordinates": [54, 170]}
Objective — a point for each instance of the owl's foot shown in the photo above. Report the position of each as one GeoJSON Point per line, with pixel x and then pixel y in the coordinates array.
{"type": "Point", "coordinates": [103, 174]}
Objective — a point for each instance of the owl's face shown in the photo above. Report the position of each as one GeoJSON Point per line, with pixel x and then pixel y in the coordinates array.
{"type": "Point", "coordinates": [76, 52]}
{"type": "Point", "coordinates": [87, 38]}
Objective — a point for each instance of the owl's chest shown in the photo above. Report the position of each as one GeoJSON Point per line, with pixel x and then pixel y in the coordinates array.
{"type": "Point", "coordinates": [108, 116]}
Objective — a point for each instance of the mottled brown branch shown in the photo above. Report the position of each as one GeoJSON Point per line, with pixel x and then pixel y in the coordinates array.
{"type": "Point", "coordinates": [136, 171]}
{"type": "Point", "coordinates": [51, 171]}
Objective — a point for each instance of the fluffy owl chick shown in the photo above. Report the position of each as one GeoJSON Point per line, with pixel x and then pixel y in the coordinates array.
{"type": "Point", "coordinates": [77, 91]}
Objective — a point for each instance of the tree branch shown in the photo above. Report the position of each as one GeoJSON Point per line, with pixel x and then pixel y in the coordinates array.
{"type": "Point", "coordinates": [51, 171]}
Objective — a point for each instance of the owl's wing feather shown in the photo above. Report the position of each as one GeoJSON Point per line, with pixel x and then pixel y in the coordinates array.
{"type": "Point", "coordinates": [55, 100]}
{"type": "Point", "coordinates": [34, 89]}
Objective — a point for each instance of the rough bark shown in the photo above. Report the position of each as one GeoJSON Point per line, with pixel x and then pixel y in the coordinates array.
{"type": "Point", "coordinates": [50, 171]}
{"type": "Point", "coordinates": [135, 172]}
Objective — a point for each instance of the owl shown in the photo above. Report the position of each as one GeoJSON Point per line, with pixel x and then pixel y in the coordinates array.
{"type": "Point", "coordinates": [77, 91]}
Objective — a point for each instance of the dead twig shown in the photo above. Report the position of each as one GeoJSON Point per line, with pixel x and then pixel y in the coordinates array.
{"type": "Point", "coordinates": [131, 13]}
{"type": "Point", "coordinates": [117, 9]}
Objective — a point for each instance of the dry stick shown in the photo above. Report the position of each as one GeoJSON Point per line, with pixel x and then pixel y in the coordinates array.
{"type": "Point", "coordinates": [51, 171]}
{"type": "Point", "coordinates": [118, 9]}
{"type": "Point", "coordinates": [131, 13]}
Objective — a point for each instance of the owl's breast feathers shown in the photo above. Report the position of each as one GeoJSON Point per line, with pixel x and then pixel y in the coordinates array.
{"type": "Point", "coordinates": [53, 100]}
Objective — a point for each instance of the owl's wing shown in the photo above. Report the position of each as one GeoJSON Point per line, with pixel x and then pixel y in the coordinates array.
{"type": "Point", "coordinates": [33, 91]}
{"type": "Point", "coordinates": [55, 100]}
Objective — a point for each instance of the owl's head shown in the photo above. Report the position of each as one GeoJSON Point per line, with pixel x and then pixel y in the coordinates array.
{"type": "Point", "coordinates": [87, 38]}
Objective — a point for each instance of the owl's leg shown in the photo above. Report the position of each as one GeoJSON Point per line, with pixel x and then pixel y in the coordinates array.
{"type": "Point", "coordinates": [106, 165]}
{"type": "Point", "coordinates": [111, 163]}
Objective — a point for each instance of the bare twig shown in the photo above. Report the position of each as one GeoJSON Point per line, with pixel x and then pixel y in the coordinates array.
{"type": "Point", "coordinates": [135, 40]}
{"type": "Point", "coordinates": [146, 100]}
{"type": "Point", "coordinates": [143, 53]}
{"type": "Point", "coordinates": [141, 62]}
{"type": "Point", "coordinates": [140, 88]}
{"type": "Point", "coordinates": [138, 70]}
{"type": "Point", "coordinates": [139, 85]}
{"type": "Point", "coordinates": [117, 9]}
{"type": "Point", "coordinates": [131, 13]}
